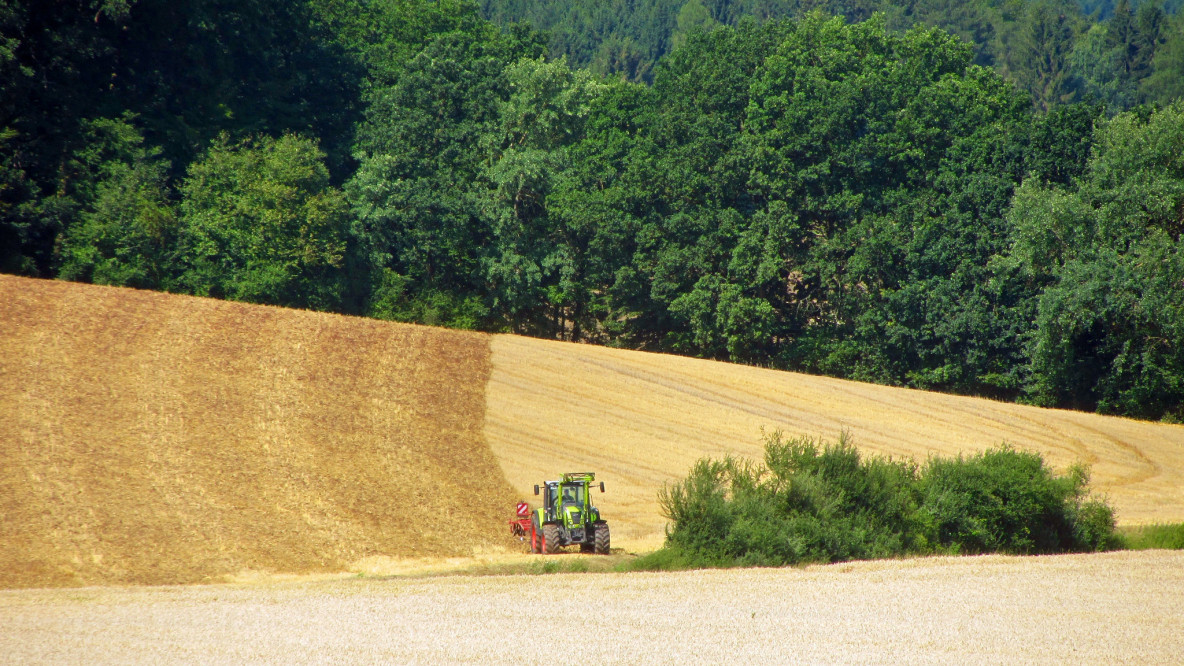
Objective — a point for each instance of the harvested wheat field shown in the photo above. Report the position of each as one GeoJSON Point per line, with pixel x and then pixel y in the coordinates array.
{"type": "Point", "coordinates": [640, 420]}
{"type": "Point", "coordinates": [147, 438]}
{"type": "Point", "coordinates": [1110, 608]}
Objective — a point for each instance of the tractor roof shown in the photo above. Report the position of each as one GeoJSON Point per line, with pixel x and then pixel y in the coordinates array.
{"type": "Point", "coordinates": [574, 477]}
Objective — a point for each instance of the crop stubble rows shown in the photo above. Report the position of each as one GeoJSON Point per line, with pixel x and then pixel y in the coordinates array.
{"type": "Point", "coordinates": [152, 438]}
{"type": "Point", "coordinates": [1111, 608]}
{"type": "Point", "coordinates": [641, 420]}
{"type": "Point", "coordinates": [149, 438]}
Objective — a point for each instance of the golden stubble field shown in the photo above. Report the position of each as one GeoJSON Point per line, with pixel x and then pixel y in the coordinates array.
{"type": "Point", "coordinates": [148, 438]}
{"type": "Point", "coordinates": [1112, 608]}
{"type": "Point", "coordinates": [640, 420]}
{"type": "Point", "coordinates": [333, 468]}
{"type": "Point", "coordinates": [152, 438]}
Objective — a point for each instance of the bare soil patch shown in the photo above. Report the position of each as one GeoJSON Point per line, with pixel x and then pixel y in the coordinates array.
{"type": "Point", "coordinates": [148, 438]}
{"type": "Point", "coordinates": [1082, 609]}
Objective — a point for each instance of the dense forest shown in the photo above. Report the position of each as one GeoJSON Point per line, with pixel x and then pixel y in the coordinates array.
{"type": "Point", "coordinates": [1058, 50]}
{"type": "Point", "coordinates": [984, 198]}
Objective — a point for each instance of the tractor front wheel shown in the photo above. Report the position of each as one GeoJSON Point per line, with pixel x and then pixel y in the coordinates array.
{"type": "Point", "coordinates": [550, 539]}
{"type": "Point", "coordinates": [601, 539]}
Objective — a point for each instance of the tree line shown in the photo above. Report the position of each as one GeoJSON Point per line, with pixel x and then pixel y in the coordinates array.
{"type": "Point", "coordinates": [815, 194]}
{"type": "Point", "coordinates": [1120, 55]}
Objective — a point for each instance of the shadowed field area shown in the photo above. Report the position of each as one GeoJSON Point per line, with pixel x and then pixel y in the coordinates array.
{"type": "Point", "coordinates": [641, 420]}
{"type": "Point", "coordinates": [148, 438]}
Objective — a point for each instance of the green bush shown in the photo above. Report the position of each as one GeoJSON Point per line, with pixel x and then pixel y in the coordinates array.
{"type": "Point", "coordinates": [814, 502]}
{"type": "Point", "coordinates": [1009, 501]}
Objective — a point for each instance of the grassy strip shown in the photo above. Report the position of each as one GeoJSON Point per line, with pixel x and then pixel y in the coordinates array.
{"type": "Point", "coordinates": [1168, 536]}
{"type": "Point", "coordinates": [562, 563]}
{"type": "Point", "coordinates": [1139, 537]}
{"type": "Point", "coordinates": [559, 564]}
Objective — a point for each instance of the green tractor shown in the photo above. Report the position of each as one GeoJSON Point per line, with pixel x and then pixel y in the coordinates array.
{"type": "Point", "coordinates": [567, 516]}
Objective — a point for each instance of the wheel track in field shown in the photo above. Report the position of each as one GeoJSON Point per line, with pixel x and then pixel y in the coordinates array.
{"type": "Point", "coordinates": [641, 420]}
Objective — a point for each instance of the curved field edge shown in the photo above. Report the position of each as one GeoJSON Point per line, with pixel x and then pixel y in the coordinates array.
{"type": "Point", "coordinates": [150, 438]}
{"type": "Point", "coordinates": [641, 420]}
{"type": "Point", "coordinates": [1102, 608]}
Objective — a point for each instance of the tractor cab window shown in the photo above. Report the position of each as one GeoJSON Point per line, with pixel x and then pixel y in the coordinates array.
{"type": "Point", "coordinates": [573, 494]}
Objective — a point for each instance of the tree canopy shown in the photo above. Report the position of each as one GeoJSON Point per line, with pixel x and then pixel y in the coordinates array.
{"type": "Point", "coordinates": [982, 198]}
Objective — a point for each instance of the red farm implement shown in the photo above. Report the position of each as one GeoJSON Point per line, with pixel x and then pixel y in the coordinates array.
{"type": "Point", "coordinates": [523, 528]}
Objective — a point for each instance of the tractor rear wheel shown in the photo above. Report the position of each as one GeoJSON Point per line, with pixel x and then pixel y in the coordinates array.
{"type": "Point", "coordinates": [550, 538]}
{"type": "Point", "coordinates": [601, 539]}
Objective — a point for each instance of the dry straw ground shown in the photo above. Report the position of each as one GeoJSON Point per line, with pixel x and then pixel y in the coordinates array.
{"type": "Point", "coordinates": [150, 438]}
{"type": "Point", "coordinates": [1112, 608]}
{"type": "Point", "coordinates": [640, 420]}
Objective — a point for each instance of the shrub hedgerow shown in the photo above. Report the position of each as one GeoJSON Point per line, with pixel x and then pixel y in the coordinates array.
{"type": "Point", "coordinates": [816, 502]}
{"type": "Point", "coordinates": [1003, 500]}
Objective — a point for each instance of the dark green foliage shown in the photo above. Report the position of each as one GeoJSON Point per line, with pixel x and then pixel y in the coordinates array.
{"type": "Point", "coordinates": [126, 233]}
{"type": "Point", "coordinates": [393, 300]}
{"type": "Point", "coordinates": [1060, 142]}
{"type": "Point", "coordinates": [1165, 83]}
{"type": "Point", "coordinates": [1039, 47]}
{"type": "Point", "coordinates": [186, 71]}
{"type": "Point", "coordinates": [420, 195]}
{"type": "Point", "coordinates": [807, 504]}
{"type": "Point", "coordinates": [261, 223]}
{"type": "Point", "coordinates": [1056, 50]}
{"type": "Point", "coordinates": [855, 193]}
{"type": "Point", "coordinates": [1109, 324]}
{"type": "Point", "coordinates": [825, 503]}
{"type": "Point", "coordinates": [828, 213]}
{"type": "Point", "coordinates": [536, 267]}
{"type": "Point", "coordinates": [1008, 501]}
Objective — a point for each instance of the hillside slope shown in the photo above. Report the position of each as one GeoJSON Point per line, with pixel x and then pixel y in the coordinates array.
{"type": "Point", "coordinates": [641, 420]}
{"type": "Point", "coordinates": [153, 438]}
